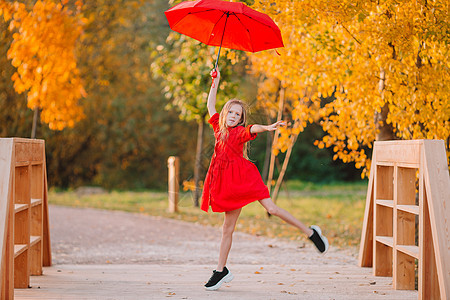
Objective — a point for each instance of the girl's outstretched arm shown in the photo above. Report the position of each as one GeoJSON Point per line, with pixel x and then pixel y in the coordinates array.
{"type": "Point", "coordinates": [211, 104]}
{"type": "Point", "coordinates": [261, 128]}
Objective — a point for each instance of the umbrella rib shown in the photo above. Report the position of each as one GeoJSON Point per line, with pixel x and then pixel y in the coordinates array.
{"type": "Point", "coordinates": [191, 13]}
{"type": "Point", "coordinates": [215, 24]}
{"type": "Point", "coordinates": [201, 11]}
{"type": "Point", "coordinates": [267, 25]}
{"type": "Point", "coordinates": [248, 32]}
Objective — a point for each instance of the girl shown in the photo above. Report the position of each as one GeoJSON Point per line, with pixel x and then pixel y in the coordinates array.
{"type": "Point", "coordinates": [233, 181]}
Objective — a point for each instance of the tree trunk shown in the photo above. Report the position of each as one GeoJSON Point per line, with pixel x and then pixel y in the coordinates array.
{"type": "Point", "coordinates": [282, 183]}
{"type": "Point", "coordinates": [385, 131]}
{"type": "Point", "coordinates": [35, 118]}
{"type": "Point", "coordinates": [198, 162]}
{"type": "Point", "coordinates": [275, 139]}
{"type": "Point", "coordinates": [284, 168]}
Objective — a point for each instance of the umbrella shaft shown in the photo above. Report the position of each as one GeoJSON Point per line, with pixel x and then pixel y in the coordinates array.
{"type": "Point", "coordinates": [223, 34]}
{"type": "Point", "coordinates": [217, 59]}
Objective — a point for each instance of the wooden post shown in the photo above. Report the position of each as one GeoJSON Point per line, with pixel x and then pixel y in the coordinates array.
{"type": "Point", "coordinates": [173, 163]}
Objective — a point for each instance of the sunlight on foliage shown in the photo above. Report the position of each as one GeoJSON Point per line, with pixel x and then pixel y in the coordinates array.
{"type": "Point", "coordinates": [42, 50]}
{"type": "Point", "coordinates": [386, 63]}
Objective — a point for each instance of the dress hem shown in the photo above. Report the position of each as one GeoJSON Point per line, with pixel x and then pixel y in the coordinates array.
{"type": "Point", "coordinates": [237, 207]}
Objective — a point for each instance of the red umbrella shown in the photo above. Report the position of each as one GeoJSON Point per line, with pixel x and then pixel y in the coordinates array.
{"type": "Point", "coordinates": [226, 24]}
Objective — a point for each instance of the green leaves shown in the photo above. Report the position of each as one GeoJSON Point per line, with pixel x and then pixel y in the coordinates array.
{"type": "Point", "coordinates": [183, 66]}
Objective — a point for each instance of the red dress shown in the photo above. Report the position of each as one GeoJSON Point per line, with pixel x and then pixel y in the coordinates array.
{"type": "Point", "coordinates": [232, 181]}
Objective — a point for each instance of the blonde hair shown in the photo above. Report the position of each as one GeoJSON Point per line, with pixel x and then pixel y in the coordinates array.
{"type": "Point", "coordinates": [223, 127]}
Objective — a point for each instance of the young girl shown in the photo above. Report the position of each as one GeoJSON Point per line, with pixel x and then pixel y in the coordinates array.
{"type": "Point", "coordinates": [233, 181]}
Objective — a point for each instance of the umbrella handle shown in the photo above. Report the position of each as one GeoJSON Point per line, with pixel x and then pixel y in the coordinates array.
{"type": "Point", "coordinates": [213, 76]}
{"type": "Point", "coordinates": [214, 73]}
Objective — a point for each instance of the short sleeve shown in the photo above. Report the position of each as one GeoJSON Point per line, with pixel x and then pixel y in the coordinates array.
{"type": "Point", "coordinates": [214, 121]}
{"type": "Point", "coordinates": [245, 135]}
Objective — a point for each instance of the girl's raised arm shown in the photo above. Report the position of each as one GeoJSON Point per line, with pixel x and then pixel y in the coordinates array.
{"type": "Point", "coordinates": [212, 94]}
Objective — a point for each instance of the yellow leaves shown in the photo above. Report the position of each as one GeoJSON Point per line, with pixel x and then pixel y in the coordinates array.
{"type": "Point", "coordinates": [43, 53]}
{"type": "Point", "coordinates": [342, 50]}
{"type": "Point", "coordinates": [79, 4]}
{"type": "Point", "coordinates": [231, 55]}
{"type": "Point", "coordinates": [319, 144]}
{"type": "Point", "coordinates": [6, 9]}
{"type": "Point", "coordinates": [189, 185]}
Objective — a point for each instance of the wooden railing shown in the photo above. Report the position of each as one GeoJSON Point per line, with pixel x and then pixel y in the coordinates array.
{"type": "Point", "coordinates": [407, 217]}
{"type": "Point", "coordinates": [24, 228]}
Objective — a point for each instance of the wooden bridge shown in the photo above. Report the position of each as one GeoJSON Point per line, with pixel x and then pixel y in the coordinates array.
{"type": "Point", "coordinates": [172, 259]}
{"type": "Point", "coordinates": [160, 258]}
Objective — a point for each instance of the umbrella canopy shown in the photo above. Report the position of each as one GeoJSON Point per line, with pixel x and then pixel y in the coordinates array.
{"type": "Point", "coordinates": [226, 24]}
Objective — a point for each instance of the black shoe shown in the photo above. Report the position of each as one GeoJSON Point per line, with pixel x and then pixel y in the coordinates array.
{"type": "Point", "coordinates": [218, 278]}
{"type": "Point", "coordinates": [319, 240]}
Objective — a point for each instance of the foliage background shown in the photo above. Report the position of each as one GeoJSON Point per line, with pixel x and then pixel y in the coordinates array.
{"type": "Point", "coordinates": [128, 133]}
{"type": "Point", "coordinates": [126, 136]}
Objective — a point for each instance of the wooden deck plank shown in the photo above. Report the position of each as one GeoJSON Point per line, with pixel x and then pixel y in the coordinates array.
{"type": "Point", "coordinates": [157, 262]}
{"type": "Point", "coordinates": [186, 282]}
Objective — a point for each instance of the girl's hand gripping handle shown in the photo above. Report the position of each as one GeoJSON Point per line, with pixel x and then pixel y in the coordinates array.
{"type": "Point", "coordinates": [215, 74]}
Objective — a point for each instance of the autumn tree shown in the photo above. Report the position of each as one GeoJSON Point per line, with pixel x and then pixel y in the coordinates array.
{"type": "Point", "coordinates": [126, 136]}
{"type": "Point", "coordinates": [13, 107]}
{"type": "Point", "coordinates": [125, 139]}
{"type": "Point", "coordinates": [386, 64]}
{"type": "Point", "coordinates": [42, 52]}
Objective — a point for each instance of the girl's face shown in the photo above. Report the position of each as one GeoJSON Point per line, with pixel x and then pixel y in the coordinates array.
{"type": "Point", "coordinates": [234, 115]}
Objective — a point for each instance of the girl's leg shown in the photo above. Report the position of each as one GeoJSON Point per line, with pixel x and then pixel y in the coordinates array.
{"type": "Point", "coordinates": [273, 209]}
{"type": "Point", "coordinates": [229, 224]}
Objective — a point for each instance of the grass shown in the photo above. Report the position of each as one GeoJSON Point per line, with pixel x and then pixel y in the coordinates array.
{"type": "Point", "coordinates": [338, 208]}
